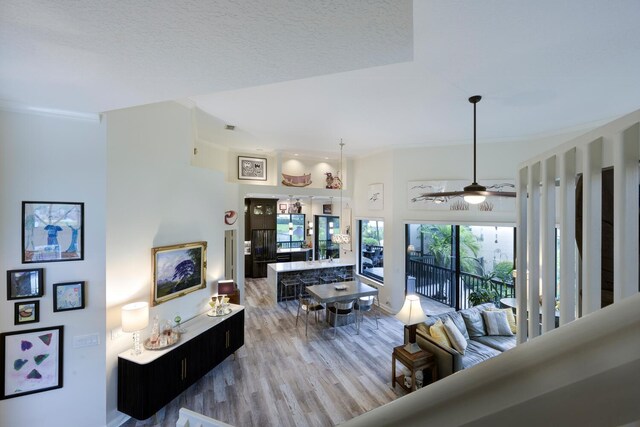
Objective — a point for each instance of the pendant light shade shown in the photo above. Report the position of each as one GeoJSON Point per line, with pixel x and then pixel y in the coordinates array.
{"type": "Point", "coordinates": [473, 193]}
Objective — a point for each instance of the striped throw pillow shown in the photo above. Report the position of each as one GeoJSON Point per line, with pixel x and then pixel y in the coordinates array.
{"type": "Point", "coordinates": [455, 336]}
{"type": "Point", "coordinates": [496, 323]}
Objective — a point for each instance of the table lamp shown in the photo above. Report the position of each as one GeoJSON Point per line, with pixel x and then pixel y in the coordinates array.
{"type": "Point", "coordinates": [411, 314]}
{"type": "Point", "coordinates": [135, 317]}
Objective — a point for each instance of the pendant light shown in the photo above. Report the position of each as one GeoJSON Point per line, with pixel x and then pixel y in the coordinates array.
{"type": "Point", "coordinates": [340, 237]}
{"type": "Point", "coordinates": [473, 193]}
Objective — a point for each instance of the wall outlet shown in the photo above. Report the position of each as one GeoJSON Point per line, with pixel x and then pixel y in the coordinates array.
{"type": "Point", "coordinates": [116, 333]}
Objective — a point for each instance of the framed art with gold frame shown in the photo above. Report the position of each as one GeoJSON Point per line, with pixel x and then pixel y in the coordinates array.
{"type": "Point", "coordinates": [178, 270]}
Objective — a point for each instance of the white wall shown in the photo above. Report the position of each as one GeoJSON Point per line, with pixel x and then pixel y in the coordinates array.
{"type": "Point", "coordinates": [395, 168]}
{"type": "Point", "coordinates": [57, 159]}
{"type": "Point", "coordinates": [156, 198]}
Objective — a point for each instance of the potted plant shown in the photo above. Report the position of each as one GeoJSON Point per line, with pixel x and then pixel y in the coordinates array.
{"type": "Point", "coordinates": [485, 292]}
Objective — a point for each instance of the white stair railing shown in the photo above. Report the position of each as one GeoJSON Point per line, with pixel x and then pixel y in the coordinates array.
{"type": "Point", "coordinates": [546, 187]}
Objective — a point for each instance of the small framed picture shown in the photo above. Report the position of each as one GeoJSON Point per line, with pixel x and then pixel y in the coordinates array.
{"type": "Point", "coordinates": [28, 283]}
{"type": "Point", "coordinates": [252, 168]}
{"type": "Point", "coordinates": [27, 312]}
{"type": "Point", "coordinates": [326, 209]}
{"type": "Point", "coordinates": [52, 231]}
{"type": "Point", "coordinates": [68, 296]}
{"type": "Point", "coordinates": [31, 361]}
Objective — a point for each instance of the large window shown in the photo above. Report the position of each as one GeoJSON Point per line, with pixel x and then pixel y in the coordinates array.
{"type": "Point", "coordinates": [453, 264]}
{"type": "Point", "coordinates": [290, 230]}
{"type": "Point", "coordinates": [371, 251]}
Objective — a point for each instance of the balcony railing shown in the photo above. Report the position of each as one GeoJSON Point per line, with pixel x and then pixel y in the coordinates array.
{"type": "Point", "coordinates": [437, 283]}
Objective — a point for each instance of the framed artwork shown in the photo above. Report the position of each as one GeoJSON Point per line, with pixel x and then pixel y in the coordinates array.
{"type": "Point", "coordinates": [178, 270]}
{"type": "Point", "coordinates": [68, 296]}
{"type": "Point", "coordinates": [375, 197]}
{"type": "Point", "coordinates": [52, 231]}
{"type": "Point", "coordinates": [326, 209]}
{"type": "Point", "coordinates": [27, 283]}
{"type": "Point", "coordinates": [252, 168]}
{"type": "Point", "coordinates": [26, 312]}
{"type": "Point", "coordinates": [31, 361]}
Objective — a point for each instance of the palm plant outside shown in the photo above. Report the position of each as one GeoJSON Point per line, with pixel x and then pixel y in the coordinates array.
{"type": "Point", "coordinates": [439, 241]}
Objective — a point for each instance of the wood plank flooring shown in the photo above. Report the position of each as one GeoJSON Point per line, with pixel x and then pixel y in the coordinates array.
{"type": "Point", "coordinates": [282, 378]}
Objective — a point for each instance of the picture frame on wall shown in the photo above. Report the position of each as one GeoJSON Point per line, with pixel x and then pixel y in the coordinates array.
{"type": "Point", "coordinates": [178, 270]}
{"type": "Point", "coordinates": [26, 312]}
{"type": "Point", "coordinates": [68, 296]}
{"type": "Point", "coordinates": [327, 209]}
{"type": "Point", "coordinates": [25, 283]}
{"type": "Point", "coordinates": [252, 168]}
{"type": "Point", "coordinates": [32, 361]}
{"type": "Point", "coordinates": [52, 231]}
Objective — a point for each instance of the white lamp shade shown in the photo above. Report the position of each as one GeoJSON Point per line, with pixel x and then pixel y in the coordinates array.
{"type": "Point", "coordinates": [411, 312]}
{"type": "Point", "coordinates": [135, 316]}
{"type": "Point", "coordinates": [474, 200]}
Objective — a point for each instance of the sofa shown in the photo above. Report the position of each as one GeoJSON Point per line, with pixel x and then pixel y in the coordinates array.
{"type": "Point", "coordinates": [481, 343]}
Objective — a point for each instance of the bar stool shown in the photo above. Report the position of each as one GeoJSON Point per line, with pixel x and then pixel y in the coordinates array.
{"type": "Point", "coordinates": [308, 280]}
{"type": "Point", "coordinates": [285, 286]}
{"type": "Point", "coordinates": [328, 278]}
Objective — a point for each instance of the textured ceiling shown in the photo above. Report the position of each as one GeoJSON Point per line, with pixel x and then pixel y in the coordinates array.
{"type": "Point", "coordinates": [96, 55]}
{"type": "Point", "coordinates": [299, 75]}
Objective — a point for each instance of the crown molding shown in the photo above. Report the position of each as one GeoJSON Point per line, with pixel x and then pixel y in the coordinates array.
{"type": "Point", "coordinates": [49, 112]}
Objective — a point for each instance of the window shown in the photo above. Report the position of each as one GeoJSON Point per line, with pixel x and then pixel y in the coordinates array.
{"type": "Point", "coordinates": [290, 230]}
{"type": "Point", "coordinates": [371, 251]}
{"type": "Point", "coordinates": [450, 262]}
{"type": "Point", "coordinates": [325, 226]}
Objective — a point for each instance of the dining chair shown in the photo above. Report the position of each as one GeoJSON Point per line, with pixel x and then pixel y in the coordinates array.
{"type": "Point", "coordinates": [307, 305]}
{"type": "Point", "coordinates": [363, 305]}
{"type": "Point", "coordinates": [341, 309]}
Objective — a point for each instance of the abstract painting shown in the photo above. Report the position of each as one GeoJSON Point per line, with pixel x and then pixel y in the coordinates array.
{"type": "Point", "coordinates": [252, 168]}
{"type": "Point", "coordinates": [52, 231]}
{"type": "Point", "coordinates": [417, 200]}
{"type": "Point", "coordinates": [31, 361]}
{"type": "Point", "coordinates": [178, 270]}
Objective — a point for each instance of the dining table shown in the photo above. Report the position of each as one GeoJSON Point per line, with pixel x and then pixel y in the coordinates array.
{"type": "Point", "coordinates": [341, 291]}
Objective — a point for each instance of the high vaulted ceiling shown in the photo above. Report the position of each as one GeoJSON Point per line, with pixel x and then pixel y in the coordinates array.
{"type": "Point", "coordinates": [299, 75]}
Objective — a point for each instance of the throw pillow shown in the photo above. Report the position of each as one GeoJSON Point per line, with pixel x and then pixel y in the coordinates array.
{"type": "Point", "coordinates": [455, 336]}
{"type": "Point", "coordinates": [438, 334]}
{"type": "Point", "coordinates": [511, 319]}
{"type": "Point", "coordinates": [496, 323]}
{"type": "Point", "coordinates": [473, 320]}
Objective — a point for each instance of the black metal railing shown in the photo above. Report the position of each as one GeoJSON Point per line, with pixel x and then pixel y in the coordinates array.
{"type": "Point", "coordinates": [438, 283]}
{"type": "Point", "coordinates": [290, 245]}
{"type": "Point", "coordinates": [432, 281]}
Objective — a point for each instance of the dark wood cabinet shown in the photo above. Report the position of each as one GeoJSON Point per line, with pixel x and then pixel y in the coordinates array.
{"type": "Point", "coordinates": [262, 214]}
{"type": "Point", "coordinates": [151, 380]}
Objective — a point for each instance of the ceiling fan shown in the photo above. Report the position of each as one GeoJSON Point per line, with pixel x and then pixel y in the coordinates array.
{"type": "Point", "coordinates": [473, 193]}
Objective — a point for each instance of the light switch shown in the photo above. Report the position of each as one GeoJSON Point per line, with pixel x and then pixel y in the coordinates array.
{"type": "Point", "coordinates": [88, 340]}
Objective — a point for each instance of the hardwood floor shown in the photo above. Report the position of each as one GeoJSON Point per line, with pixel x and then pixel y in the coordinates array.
{"type": "Point", "coordinates": [282, 378]}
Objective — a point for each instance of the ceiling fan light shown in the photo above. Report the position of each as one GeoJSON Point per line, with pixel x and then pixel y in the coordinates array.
{"type": "Point", "coordinates": [473, 199]}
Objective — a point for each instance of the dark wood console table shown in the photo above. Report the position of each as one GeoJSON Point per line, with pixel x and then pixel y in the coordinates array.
{"type": "Point", "coordinates": [149, 381]}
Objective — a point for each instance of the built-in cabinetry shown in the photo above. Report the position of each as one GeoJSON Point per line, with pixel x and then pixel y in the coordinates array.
{"type": "Point", "coordinates": [260, 229]}
{"type": "Point", "coordinates": [149, 381]}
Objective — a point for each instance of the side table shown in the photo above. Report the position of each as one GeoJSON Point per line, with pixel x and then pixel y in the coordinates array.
{"type": "Point", "coordinates": [414, 362]}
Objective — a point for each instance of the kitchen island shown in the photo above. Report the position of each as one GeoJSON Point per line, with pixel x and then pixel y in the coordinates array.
{"type": "Point", "coordinates": [304, 270]}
